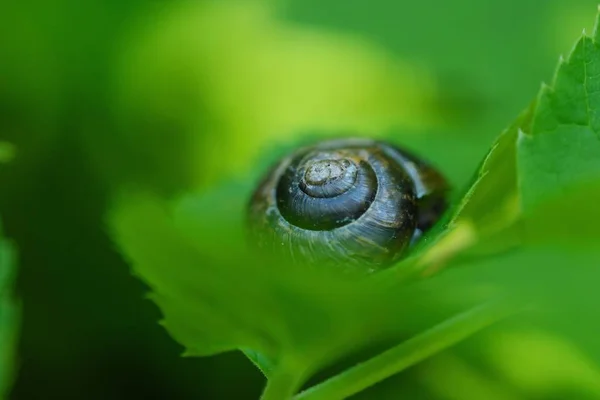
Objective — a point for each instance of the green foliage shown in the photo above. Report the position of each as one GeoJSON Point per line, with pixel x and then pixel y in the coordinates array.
{"type": "Point", "coordinates": [217, 297]}
{"type": "Point", "coordinates": [9, 317]}
{"type": "Point", "coordinates": [561, 148]}
{"type": "Point", "coordinates": [535, 194]}
{"type": "Point", "coordinates": [175, 95]}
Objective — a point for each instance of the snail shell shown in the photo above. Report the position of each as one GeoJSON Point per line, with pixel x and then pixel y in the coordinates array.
{"type": "Point", "coordinates": [348, 202]}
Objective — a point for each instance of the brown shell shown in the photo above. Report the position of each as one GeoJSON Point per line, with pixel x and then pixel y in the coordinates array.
{"type": "Point", "coordinates": [379, 200]}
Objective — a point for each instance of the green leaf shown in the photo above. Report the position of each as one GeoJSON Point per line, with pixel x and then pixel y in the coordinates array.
{"type": "Point", "coordinates": [556, 266]}
{"type": "Point", "coordinates": [492, 201]}
{"type": "Point", "coordinates": [262, 363]}
{"type": "Point", "coordinates": [489, 206]}
{"type": "Point", "coordinates": [9, 317]}
{"type": "Point", "coordinates": [562, 146]}
{"type": "Point", "coordinates": [217, 296]}
{"type": "Point", "coordinates": [409, 352]}
{"type": "Point", "coordinates": [571, 219]}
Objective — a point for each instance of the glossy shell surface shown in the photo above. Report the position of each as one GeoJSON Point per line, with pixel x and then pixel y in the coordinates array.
{"type": "Point", "coordinates": [347, 202]}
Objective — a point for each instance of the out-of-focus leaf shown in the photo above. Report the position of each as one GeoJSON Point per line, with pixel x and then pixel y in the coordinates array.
{"type": "Point", "coordinates": [211, 85]}
{"type": "Point", "coordinates": [509, 45]}
{"type": "Point", "coordinates": [562, 147]}
{"type": "Point", "coordinates": [570, 219]}
{"type": "Point", "coordinates": [541, 363]}
{"type": "Point", "coordinates": [9, 317]}
{"type": "Point", "coordinates": [557, 267]}
{"type": "Point", "coordinates": [7, 151]}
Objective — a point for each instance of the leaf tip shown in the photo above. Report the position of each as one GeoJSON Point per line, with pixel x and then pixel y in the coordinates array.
{"type": "Point", "coordinates": [522, 135]}
{"type": "Point", "coordinates": [187, 353]}
{"type": "Point", "coordinates": [544, 87]}
{"type": "Point", "coordinates": [561, 61]}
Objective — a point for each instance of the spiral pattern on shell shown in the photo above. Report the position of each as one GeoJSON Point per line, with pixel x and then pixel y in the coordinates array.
{"type": "Point", "coordinates": [348, 202]}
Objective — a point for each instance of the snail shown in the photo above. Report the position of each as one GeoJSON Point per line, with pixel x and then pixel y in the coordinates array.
{"type": "Point", "coordinates": [348, 202]}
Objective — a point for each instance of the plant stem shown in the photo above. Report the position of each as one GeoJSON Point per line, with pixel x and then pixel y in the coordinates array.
{"type": "Point", "coordinates": [409, 352]}
{"type": "Point", "coordinates": [282, 384]}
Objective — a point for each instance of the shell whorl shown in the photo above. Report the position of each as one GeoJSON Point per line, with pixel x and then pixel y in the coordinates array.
{"type": "Point", "coordinates": [349, 201]}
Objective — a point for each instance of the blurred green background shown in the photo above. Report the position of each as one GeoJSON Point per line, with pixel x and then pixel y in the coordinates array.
{"type": "Point", "coordinates": [180, 95]}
